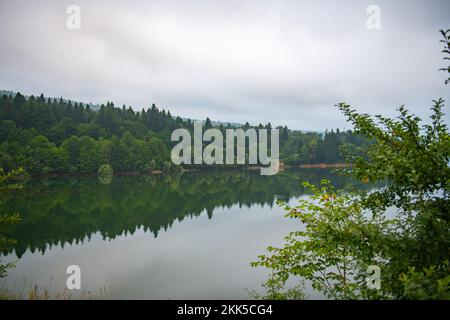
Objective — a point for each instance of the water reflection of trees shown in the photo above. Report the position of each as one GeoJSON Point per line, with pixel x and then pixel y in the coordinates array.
{"type": "Point", "coordinates": [61, 211]}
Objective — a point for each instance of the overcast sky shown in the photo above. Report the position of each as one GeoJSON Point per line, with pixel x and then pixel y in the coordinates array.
{"type": "Point", "coordinates": [287, 62]}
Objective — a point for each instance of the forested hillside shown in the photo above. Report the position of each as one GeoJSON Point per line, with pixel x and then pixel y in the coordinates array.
{"type": "Point", "coordinates": [48, 136]}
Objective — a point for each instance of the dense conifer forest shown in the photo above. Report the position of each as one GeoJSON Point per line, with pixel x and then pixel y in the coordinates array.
{"type": "Point", "coordinates": [56, 136]}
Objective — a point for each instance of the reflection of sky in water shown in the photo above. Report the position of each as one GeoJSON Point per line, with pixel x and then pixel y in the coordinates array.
{"type": "Point", "coordinates": [192, 256]}
{"type": "Point", "coordinates": [195, 258]}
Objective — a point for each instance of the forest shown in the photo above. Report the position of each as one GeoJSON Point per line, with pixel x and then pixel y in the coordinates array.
{"type": "Point", "coordinates": [51, 136]}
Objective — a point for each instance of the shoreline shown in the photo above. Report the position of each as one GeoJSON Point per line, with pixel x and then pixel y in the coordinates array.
{"type": "Point", "coordinates": [323, 165]}
{"type": "Point", "coordinates": [203, 168]}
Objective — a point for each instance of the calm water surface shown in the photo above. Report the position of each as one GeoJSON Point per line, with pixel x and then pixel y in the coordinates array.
{"type": "Point", "coordinates": [190, 236]}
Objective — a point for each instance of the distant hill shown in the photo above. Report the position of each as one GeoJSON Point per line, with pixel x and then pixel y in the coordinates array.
{"type": "Point", "coordinates": [7, 93]}
{"type": "Point", "coordinates": [95, 107]}
{"type": "Point", "coordinates": [217, 123]}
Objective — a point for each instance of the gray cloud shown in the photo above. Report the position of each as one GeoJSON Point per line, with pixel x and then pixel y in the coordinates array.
{"type": "Point", "coordinates": [288, 62]}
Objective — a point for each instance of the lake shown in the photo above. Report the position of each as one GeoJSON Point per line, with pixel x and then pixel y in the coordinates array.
{"type": "Point", "coordinates": [189, 236]}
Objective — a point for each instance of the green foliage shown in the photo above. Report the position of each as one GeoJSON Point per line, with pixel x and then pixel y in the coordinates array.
{"type": "Point", "coordinates": [105, 170]}
{"type": "Point", "coordinates": [350, 232]}
{"type": "Point", "coordinates": [414, 160]}
{"type": "Point", "coordinates": [8, 183]}
{"type": "Point", "coordinates": [308, 148]}
{"type": "Point", "coordinates": [54, 137]}
{"type": "Point", "coordinates": [423, 284]}
{"type": "Point", "coordinates": [344, 233]}
{"type": "Point", "coordinates": [331, 252]}
{"type": "Point", "coordinates": [169, 167]}
{"type": "Point", "coordinates": [47, 136]}
{"type": "Point", "coordinates": [105, 173]}
{"type": "Point", "coordinates": [152, 165]}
